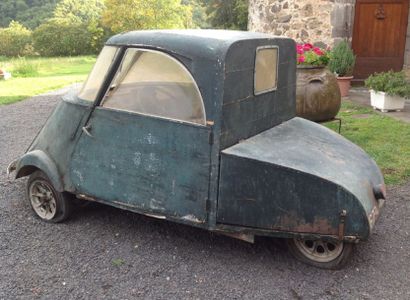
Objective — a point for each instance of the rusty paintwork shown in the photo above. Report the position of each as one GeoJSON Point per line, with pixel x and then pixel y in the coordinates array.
{"type": "Point", "coordinates": [253, 169]}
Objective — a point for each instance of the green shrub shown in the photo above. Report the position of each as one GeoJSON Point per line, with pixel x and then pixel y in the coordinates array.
{"type": "Point", "coordinates": [392, 83]}
{"type": "Point", "coordinates": [24, 68]}
{"type": "Point", "coordinates": [342, 60]}
{"type": "Point", "coordinates": [56, 38]}
{"type": "Point", "coordinates": [15, 40]}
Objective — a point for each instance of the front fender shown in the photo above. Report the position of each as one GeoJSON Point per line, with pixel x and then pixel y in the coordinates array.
{"type": "Point", "coordinates": [299, 177]}
{"type": "Point", "coordinates": [34, 160]}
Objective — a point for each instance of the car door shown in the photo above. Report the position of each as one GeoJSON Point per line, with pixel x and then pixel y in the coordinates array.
{"type": "Point", "coordinates": [146, 147]}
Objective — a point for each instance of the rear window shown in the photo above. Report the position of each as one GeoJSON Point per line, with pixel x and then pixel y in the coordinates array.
{"type": "Point", "coordinates": [266, 70]}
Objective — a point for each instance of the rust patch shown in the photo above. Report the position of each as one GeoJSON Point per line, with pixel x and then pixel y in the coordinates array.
{"type": "Point", "coordinates": [293, 222]}
{"type": "Point", "coordinates": [192, 218]}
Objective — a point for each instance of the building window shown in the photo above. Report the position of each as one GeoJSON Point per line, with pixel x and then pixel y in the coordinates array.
{"type": "Point", "coordinates": [266, 70]}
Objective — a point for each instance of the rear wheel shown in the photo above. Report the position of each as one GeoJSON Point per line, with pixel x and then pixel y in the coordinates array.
{"type": "Point", "coordinates": [322, 254]}
{"type": "Point", "coordinates": [47, 203]}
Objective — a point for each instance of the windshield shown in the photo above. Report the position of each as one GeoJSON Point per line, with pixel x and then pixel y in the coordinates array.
{"type": "Point", "coordinates": [97, 76]}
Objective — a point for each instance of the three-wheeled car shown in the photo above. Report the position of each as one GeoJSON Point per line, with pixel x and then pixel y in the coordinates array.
{"type": "Point", "coordinates": [199, 127]}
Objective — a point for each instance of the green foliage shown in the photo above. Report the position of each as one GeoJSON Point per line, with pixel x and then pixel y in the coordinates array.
{"type": "Point", "coordinates": [83, 14]}
{"type": "Point", "coordinates": [59, 38]}
{"type": "Point", "coordinates": [125, 15]}
{"type": "Point", "coordinates": [392, 83]}
{"type": "Point", "coordinates": [314, 59]}
{"type": "Point", "coordinates": [199, 17]}
{"type": "Point", "coordinates": [30, 13]}
{"type": "Point", "coordinates": [342, 60]}
{"type": "Point", "coordinates": [227, 14]}
{"type": "Point", "coordinates": [79, 11]}
{"type": "Point", "coordinates": [15, 40]}
{"type": "Point", "coordinates": [25, 68]}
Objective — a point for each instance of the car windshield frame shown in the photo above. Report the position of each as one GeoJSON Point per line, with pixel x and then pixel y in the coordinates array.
{"type": "Point", "coordinates": [95, 76]}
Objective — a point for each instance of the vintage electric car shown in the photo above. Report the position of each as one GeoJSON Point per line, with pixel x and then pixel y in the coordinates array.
{"type": "Point", "coordinates": [199, 127]}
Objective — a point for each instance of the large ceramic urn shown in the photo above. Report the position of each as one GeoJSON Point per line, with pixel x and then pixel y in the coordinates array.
{"type": "Point", "coordinates": [317, 95]}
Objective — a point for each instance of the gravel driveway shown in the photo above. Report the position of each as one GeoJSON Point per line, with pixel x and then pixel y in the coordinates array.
{"type": "Point", "coordinates": [106, 253]}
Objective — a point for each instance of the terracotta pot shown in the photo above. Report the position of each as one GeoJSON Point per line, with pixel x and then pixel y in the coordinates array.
{"type": "Point", "coordinates": [344, 85]}
{"type": "Point", "coordinates": [317, 94]}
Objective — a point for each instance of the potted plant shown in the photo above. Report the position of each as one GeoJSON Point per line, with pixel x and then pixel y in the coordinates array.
{"type": "Point", "coordinates": [388, 90]}
{"type": "Point", "coordinates": [317, 94]}
{"type": "Point", "coordinates": [342, 60]}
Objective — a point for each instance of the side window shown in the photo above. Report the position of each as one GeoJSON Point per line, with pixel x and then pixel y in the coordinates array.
{"type": "Point", "coordinates": [97, 76]}
{"type": "Point", "coordinates": [154, 83]}
{"type": "Point", "coordinates": [266, 70]}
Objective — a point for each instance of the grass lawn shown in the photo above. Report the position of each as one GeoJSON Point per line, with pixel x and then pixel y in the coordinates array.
{"type": "Point", "coordinates": [40, 75]}
{"type": "Point", "coordinates": [385, 139]}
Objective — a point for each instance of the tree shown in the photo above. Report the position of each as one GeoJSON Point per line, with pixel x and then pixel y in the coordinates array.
{"type": "Point", "coordinates": [79, 11]}
{"type": "Point", "coordinates": [199, 17]}
{"type": "Point", "coordinates": [60, 38]}
{"type": "Point", "coordinates": [15, 40]}
{"type": "Point", "coordinates": [29, 13]}
{"type": "Point", "coordinates": [83, 14]}
{"type": "Point", "coordinates": [125, 15]}
{"type": "Point", "coordinates": [227, 14]}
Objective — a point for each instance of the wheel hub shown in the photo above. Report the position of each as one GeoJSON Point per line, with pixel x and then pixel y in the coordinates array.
{"type": "Point", "coordinates": [320, 251]}
{"type": "Point", "coordinates": [42, 199]}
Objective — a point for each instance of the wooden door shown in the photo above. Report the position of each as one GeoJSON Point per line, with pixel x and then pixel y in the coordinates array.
{"type": "Point", "coordinates": [379, 36]}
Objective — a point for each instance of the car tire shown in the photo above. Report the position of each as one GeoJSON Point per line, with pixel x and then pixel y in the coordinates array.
{"type": "Point", "coordinates": [321, 254]}
{"type": "Point", "coordinates": [47, 203]}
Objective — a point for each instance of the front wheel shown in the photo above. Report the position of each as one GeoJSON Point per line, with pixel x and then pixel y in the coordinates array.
{"type": "Point", "coordinates": [47, 203]}
{"type": "Point", "coordinates": [321, 254]}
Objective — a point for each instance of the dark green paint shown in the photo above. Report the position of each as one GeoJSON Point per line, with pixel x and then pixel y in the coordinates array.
{"type": "Point", "coordinates": [255, 168]}
{"type": "Point", "coordinates": [151, 164]}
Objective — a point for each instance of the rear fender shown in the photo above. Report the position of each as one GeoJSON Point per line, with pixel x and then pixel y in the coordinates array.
{"type": "Point", "coordinates": [38, 160]}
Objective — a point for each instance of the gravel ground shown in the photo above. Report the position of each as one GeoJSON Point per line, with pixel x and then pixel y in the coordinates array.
{"type": "Point", "coordinates": [106, 253]}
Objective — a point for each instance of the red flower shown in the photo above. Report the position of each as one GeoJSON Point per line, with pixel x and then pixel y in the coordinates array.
{"type": "Point", "coordinates": [300, 51]}
{"type": "Point", "coordinates": [307, 47]}
{"type": "Point", "coordinates": [301, 59]}
{"type": "Point", "coordinates": [318, 51]}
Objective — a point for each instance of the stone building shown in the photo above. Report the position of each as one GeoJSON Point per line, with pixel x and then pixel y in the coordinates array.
{"type": "Point", "coordinates": [378, 29]}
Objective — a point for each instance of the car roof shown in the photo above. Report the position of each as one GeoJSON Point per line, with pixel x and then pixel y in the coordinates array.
{"type": "Point", "coordinates": [192, 43]}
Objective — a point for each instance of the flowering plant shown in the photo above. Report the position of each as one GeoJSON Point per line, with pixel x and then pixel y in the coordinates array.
{"type": "Point", "coordinates": [307, 54]}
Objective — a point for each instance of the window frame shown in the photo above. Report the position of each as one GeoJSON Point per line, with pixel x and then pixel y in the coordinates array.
{"type": "Point", "coordinates": [107, 76]}
{"type": "Point", "coordinates": [275, 88]}
{"type": "Point", "coordinates": [169, 56]}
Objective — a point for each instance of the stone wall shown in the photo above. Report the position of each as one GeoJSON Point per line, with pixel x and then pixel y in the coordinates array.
{"type": "Point", "coordinates": [322, 22]}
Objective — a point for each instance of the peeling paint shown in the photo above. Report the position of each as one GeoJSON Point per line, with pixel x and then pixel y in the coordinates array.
{"type": "Point", "coordinates": [191, 218]}
{"type": "Point", "coordinates": [137, 159]}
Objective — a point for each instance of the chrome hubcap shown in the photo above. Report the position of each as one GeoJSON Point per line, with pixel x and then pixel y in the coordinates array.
{"type": "Point", "coordinates": [320, 251]}
{"type": "Point", "coordinates": [42, 199]}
